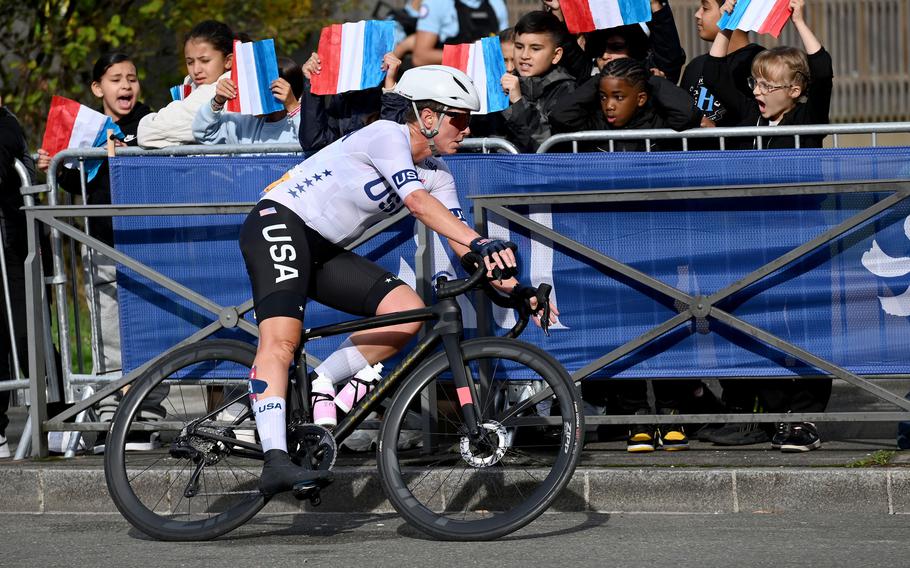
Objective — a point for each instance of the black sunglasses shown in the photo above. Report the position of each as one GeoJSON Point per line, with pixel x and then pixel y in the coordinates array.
{"type": "Point", "coordinates": [459, 120]}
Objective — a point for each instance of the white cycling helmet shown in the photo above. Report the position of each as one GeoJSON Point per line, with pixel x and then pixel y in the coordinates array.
{"type": "Point", "coordinates": [440, 83]}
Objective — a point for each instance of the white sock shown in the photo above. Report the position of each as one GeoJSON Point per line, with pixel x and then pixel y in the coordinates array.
{"type": "Point", "coordinates": [343, 363]}
{"type": "Point", "coordinates": [271, 423]}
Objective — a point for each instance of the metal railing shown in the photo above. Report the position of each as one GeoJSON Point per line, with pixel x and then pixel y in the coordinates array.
{"type": "Point", "coordinates": [759, 133]}
{"type": "Point", "coordinates": [54, 215]}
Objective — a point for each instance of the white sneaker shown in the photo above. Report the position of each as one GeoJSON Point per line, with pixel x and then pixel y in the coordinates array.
{"type": "Point", "coordinates": [409, 439]}
{"type": "Point", "coordinates": [4, 447]}
{"type": "Point", "coordinates": [58, 442]}
{"type": "Point", "coordinates": [246, 430]}
{"type": "Point", "coordinates": [362, 440]}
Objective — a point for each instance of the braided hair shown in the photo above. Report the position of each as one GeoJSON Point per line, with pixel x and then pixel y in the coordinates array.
{"type": "Point", "coordinates": [629, 70]}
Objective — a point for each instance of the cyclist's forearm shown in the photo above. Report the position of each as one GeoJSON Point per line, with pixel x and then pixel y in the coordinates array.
{"type": "Point", "coordinates": [432, 213]}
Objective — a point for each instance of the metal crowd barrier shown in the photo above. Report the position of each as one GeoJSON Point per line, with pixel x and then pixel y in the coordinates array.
{"type": "Point", "coordinates": [54, 215]}
{"type": "Point", "coordinates": [873, 129]}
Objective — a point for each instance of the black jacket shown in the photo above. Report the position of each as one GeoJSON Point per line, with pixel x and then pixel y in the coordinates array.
{"type": "Point", "coordinates": [526, 121]}
{"type": "Point", "coordinates": [99, 189]}
{"type": "Point", "coordinates": [740, 65]}
{"type": "Point", "coordinates": [668, 107]}
{"type": "Point", "coordinates": [813, 111]}
{"type": "Point", "coordinates": [12, 147]}
{"type": "Point", "coordinates": [326, 118]}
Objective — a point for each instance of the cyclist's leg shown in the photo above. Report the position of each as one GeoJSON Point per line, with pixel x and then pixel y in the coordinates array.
{"type": "Point", "coordinates": [277, 251]}
{"type": "Point", "coordinates": [348, 282]}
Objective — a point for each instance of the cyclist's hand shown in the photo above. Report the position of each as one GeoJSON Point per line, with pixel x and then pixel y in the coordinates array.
{"type": "Point", "coordinates": [554, 313]}
{"type": "Point", "coordinates": [498, 256]}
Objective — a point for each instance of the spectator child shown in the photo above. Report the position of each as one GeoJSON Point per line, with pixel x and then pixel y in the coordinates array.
{"type": "Point", "coordinates": [208, 51]}
{"type": "Point", "coordinates": [656, 44]}
{"type": "Point", "coordinates": [115, 83]}
{"type": "Point", "coordinates": [625, 96]}
{"type": "Point", "coordinates": [326, 118]}
{"type": "Point", "coordinates": [789, 86]}
{"type": "Point", "coordinates": [740, 54]}
{"type": "Point", "coordinates": [507, 44]}
{"type": "Point", "coordinates": [537, 83]}
{"type": "Point", "coordinates": [214, 126]}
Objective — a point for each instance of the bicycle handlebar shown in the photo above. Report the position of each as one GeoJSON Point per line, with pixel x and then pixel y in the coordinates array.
{"type": "Point", "coordinates": [519, 300]}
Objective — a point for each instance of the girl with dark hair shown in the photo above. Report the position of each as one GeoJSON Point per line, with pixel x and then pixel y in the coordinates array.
{"type": "Point", "coordinates": [625, 95]}
{"type": "Point", "coordinates": [115, 83]}
{"type": "Point", "coordinates": [208, 52]}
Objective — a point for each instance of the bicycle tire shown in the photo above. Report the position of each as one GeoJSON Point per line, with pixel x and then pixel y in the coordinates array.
{"type": "Point", "coordinates": [510, 491]}
{"type": "Point", "coordinates": [149, 496]}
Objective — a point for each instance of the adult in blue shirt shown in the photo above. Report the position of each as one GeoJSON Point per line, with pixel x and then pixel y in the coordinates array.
{"type": "Point", "coordinates": [453, 22]}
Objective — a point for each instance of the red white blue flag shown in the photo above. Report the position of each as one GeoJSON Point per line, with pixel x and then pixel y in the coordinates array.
{"type": "Point", "coordinates": [73, 125]}
{"type": "Point", "coordinates": [589, 15]}
{"type": "Point", "coordinates": [351, 56]}
{"type": "Point", "coordinates": [255, 68]}
{"type": "Point", "coordinates": [180, 92]}
{"type": "Point", "coordinates": [483, 62]}
{"type": "Point", "coordinates": [762, 16]}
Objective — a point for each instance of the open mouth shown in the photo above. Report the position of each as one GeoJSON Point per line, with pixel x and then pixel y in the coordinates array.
{"type": "Point", "coordinates": [125, 102]}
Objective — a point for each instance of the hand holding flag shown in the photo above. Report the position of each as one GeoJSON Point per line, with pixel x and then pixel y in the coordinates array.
{"type": "Point", "coordinates": [483, 62]}
{"type": "Point", "coordinates": [73, 125]}
{"type": "Point", "coordinates": [254, 70]}
{"type": "Point", "coordinates": [762, 16]}
{"type": "Point", "coordinates": [589, 15]}
{"type": "Point", "coordinates": [351, 56]}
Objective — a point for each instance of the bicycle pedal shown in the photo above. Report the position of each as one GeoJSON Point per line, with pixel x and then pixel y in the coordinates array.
{"type": "Point", "coordinates": [310, 490]}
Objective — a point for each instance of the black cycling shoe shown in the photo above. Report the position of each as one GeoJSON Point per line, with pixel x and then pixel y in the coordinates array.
{"type": "Point", "coordinates": [280, 474]}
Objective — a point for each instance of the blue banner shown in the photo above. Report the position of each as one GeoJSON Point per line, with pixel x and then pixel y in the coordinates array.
{"type": "Point", "coordinates": [846, 302]}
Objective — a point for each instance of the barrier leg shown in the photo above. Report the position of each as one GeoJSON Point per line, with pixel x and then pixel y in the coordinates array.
{"type": "Point", "coordinates": [25, 441]}
{"type": "Point", "coordinates": [80, 418]}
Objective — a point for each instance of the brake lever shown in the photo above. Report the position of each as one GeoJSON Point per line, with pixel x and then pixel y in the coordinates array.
{"type": "Point", "coordinates": [543, 299]}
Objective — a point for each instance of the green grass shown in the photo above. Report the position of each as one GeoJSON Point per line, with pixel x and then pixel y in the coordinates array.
{"type": "Point", "coordinates": [879, 458]}
{"type": "Point", "coordinates": [85, 331]}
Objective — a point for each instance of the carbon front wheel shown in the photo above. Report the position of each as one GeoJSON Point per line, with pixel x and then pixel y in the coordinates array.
{"type": "Point", "coordinates": [454, 485]}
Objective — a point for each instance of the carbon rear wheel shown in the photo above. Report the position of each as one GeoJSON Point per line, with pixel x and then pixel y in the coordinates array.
{"type": "Point", "coordinates": [185, 476]}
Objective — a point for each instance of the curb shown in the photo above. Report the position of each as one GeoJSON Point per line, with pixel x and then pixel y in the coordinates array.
{"type": "Point", "coordinates": [611, 490]}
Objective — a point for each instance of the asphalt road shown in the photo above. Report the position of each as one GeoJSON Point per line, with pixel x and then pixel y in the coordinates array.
{"type": "Point", "coordinates": [555, 540]}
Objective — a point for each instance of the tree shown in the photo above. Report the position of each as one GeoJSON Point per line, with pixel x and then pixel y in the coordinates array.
{"type": "Point", "coordinates": [49, 49]}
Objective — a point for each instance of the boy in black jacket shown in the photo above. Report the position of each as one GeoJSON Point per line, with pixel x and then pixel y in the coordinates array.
{"type": "Point", "coordinates": [789, 86]}
{"type": "Point", "coordinates": [537, 83]}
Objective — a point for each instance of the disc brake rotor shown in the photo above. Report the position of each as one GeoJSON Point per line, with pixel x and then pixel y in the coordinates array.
{"type": "Point", "coordinates": [487, 451]}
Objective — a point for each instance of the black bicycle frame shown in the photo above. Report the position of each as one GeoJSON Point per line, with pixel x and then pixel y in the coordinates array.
{"type": "Point", "coordinates": [448, 328]}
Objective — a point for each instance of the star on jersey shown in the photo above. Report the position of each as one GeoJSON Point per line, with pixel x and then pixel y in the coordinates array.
{"type": "Point", "coordinates": [317, 177]}
{"type": "Point", "coordinates": [308, 182]}
{"type": "Point", "coordinates": [327, 173]}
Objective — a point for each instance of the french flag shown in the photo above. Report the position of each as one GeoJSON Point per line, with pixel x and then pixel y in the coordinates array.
{"type": "Point", "coordinates": [255, 68]}
{"type": "Point", "coordinates": [351, 56]}
{"type": "Point", "coordinates": [73, 125]}
{"type": "Point", "coordinates": [762, 16]}
{"type": "Point", "coordinates": [180, 92]}
{"type": "Point", "coordinates": [483, 62]}
{"type": "Point", "coordinates": [589, 15]}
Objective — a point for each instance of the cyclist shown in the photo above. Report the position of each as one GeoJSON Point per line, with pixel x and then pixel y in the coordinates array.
{"type": "Point", "coordinates": [293, 240]}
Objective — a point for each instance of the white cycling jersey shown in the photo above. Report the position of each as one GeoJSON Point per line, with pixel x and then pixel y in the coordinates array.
{"type": "Point", "coordinates": [359, 180]}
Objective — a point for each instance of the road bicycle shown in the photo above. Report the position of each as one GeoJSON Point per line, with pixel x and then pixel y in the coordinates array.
{"type": "Point", "coordinates": [497, 421]}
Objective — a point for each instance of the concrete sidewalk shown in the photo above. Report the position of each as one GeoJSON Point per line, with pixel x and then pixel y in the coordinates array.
{"type": "Point", "coordinates": [841, 477]}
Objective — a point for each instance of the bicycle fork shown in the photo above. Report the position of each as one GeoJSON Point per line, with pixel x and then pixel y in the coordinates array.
{"type": "Point", "coordinates": [450, 328]}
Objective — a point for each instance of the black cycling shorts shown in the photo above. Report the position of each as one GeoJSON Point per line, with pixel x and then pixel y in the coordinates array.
{"type": "Point", "coordinates": [289, 262]}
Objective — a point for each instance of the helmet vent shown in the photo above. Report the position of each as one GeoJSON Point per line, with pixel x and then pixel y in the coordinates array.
{"type": "Point", "coordinates": [460, 84]}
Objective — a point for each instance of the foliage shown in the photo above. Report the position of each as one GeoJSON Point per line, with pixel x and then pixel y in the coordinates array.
{"type": "Point", "coordinates": [879, 458]}
{"type": "Point", "coordinates": [49, 46]}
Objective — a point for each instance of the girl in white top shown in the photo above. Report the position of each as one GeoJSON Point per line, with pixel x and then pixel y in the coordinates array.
{"type": "Point", "coordinates": [208, 50]}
